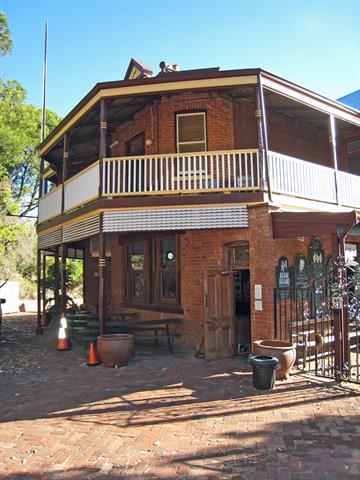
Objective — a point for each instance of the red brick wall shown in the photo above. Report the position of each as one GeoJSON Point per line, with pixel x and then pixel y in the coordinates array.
{"type": "Point", "coordinates": [346, 135]}
{"type": "Point", "coordinates": [159, 123]}
{"type": "Point", "coordinates": [264, 255]}
{"type": "Point", "coordinates": [289, 136]}
{"type": "Point", "coordinates": [245, 132]}
{"type": "Point", "coordinates": [202, 250]}
{"type": "Point", "coordinates": [230, 124]}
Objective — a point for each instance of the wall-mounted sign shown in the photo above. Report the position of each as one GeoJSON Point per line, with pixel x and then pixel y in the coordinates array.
{"type": "Point", "coordinates": [317, 259]}
{"type": "Point", "coordinates": [283, 278]}
{"type": "Point", "coordinates": [301, 277]}
{"type": "Point", "coordinates": [258, 305]}
{"type": "Point", "coordinates": [302, 274]}
{"type": "Point", "coordinates": [258, 292]}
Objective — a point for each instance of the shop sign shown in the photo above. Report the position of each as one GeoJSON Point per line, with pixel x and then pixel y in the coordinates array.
{"type": "Point", "coordinates": [302, 277]}
{"type": "Point", "coordinates": [283, 278]}
{"type": "Point", "coordinates": [317, 259]}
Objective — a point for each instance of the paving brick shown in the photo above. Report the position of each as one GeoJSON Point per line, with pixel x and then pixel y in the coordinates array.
{"type": "Point", "coordinates": [195, 419]}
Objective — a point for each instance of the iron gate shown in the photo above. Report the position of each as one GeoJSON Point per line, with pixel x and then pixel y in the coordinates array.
{"type": "Point", "coordinates": [324, 323]}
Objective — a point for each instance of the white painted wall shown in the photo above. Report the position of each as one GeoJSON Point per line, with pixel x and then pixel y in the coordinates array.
{"type": "Point", "coordinates": [10, 291]}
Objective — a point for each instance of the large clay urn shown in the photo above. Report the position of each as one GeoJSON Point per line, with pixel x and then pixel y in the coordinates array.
{"type": "Point", "coordinates": [285, 352]}
{"type": "Point", "coordinates": [115, 349]}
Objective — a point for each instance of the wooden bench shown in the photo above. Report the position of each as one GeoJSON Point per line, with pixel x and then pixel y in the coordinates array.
{"type": "Point", "coordinates": [139, 328]}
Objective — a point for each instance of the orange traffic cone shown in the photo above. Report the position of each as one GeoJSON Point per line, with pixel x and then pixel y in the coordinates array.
{"type": "Point", "coordinates": [93, 359]}
{"type": "Point", "coordinates": [62, 343]}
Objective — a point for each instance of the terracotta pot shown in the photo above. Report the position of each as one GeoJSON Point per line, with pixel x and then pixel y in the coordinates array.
{"type": "Point", "coordinates": [285, 352]}
{"type": "Point", "coordinates": [115, 349]}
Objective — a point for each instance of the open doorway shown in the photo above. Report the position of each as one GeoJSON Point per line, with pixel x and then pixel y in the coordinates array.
{"type": "Point", "coordinates": [239, 263]}
{"type": "Point", "coordinates": [242, 310]}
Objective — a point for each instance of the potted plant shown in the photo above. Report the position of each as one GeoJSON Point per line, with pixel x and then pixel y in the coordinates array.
{"type": "Point", "coordinates": [115, 349]}
{"type": "Point", "coordinates": [285, 352]}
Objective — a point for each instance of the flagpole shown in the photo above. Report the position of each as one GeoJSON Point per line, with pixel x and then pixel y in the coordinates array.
{"type": "Point", "coordinates": [44, 86]}
{"type": "Point", "coordinates": [41, 281]}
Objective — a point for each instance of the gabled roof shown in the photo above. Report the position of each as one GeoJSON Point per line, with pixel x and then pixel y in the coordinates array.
{"type": "Point", "coordinates": [137, 69]}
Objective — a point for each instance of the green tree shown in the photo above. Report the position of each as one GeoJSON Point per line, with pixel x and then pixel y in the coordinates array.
{"type": "Point", "coordinates": [5, 37]}
{"type": "Point", "coordinates": [20, 125]}
{"type": "Point", "coordinates": [19, 135]}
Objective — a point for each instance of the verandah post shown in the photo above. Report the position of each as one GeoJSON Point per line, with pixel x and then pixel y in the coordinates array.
{"type": "Point", "coordinates": [63, 278]}
{"type": "Point", "coordinates": [261, 125]}
{"type": "Point", "coordinates": [39, 329]}
{"type": "Point", "coordinates": [64, 171]}
{"type": "Point", "coordinates": [102, 258]}
{"type": "Point", "coordinates": [102, 265]}
{"type": "Point", "coordinates": [332, 142]}
{"type": "Point", "coordinates": [102, 143]}
{"type": "Point", "coordinates": [57, 282]}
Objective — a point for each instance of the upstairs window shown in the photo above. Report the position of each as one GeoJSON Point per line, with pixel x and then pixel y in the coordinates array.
{"type": "Point", "coordinates": [191, 132]}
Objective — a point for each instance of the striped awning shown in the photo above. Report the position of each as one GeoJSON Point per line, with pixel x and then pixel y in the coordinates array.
{"type": "Point", "coordinates": [176, 219]}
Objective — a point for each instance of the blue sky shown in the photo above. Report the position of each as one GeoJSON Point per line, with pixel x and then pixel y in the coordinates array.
{"type": "Point", "coordinates": [314, 43]}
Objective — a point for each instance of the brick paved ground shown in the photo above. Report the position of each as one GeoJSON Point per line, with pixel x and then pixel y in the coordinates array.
{"type": "Point", "coordinates": [165, 417]}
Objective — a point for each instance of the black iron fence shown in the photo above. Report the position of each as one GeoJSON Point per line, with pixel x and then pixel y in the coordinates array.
{"type": "Point", "coordinates": [324, 323]}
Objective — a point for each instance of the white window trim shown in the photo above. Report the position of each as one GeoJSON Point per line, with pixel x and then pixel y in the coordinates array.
{"type": "Point", "coordinates": [204, 142]}
{"type": "Point", "coordinates": [178, 115]}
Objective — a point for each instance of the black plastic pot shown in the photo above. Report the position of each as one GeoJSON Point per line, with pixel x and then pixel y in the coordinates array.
{"type": "Point", "coordinates": [263, 371]}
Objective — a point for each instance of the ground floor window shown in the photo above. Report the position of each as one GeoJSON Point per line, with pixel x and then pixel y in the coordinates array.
{"type": "Point", "coordinates": [152, 270]}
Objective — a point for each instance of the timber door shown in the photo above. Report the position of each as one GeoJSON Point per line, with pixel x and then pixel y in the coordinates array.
{"type": "Point", "coordinates": [219, 314]}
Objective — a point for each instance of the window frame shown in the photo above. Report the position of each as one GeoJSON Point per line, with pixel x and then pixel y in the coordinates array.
{"type": "Point", "coordinates": [152, 273]}
{"type": "Point", "coordinates": [130, 273]}
{"type": "Point", "coordinates": [157, 270]}
{"type": "Point", "coordinates": [178, 143]}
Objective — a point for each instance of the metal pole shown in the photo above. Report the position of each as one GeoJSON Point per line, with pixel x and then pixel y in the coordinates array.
{"type": "Point", "coordinates": [39, 329]}
{"type": "Point", "coordinates": [43, 123]}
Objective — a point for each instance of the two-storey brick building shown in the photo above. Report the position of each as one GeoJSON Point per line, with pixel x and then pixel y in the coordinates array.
{"type": "Point", "coordinates": [181, 191]}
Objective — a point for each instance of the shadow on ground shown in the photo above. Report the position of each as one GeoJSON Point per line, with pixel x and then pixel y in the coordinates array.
{"type": "Point", "coordinates": [211, 422]}
{"type": "Point", "coordinates": [317, 448]}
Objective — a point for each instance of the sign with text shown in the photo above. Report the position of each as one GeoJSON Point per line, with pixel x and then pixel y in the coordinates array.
{"type": "Point", "coordinates": [283, 278]}
{"type": "Point", "coordinates": [317, 259]}
{"type": "Point", "coordinates": [301, 277]}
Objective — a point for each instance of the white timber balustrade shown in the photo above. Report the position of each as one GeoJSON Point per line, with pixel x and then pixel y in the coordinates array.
{"type": "Point", "coordinates": [221, 171]}
{"type": "Point", "coordinates": [50, 204]}
{"type": "Point", "coordinates": [83, 187]}
{"type": "Point", "coordinates": [348, 189]}
{"type": "Point", "coordinates": [182, 173]}
{"type": "Point", "coordinates": [299, 178]}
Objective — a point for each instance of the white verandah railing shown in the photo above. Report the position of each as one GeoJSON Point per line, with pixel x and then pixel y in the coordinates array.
{"type": "Point", "coordinates": [348, 189]}
{"type": "Point", "coordinates": [182, 173]}
{"type": "Point", "coordinates": [299, 178]}
{"type": "Point", "coordinates": [222, 171]}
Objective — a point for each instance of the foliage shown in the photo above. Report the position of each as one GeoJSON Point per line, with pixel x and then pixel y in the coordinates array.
{"type": "Point", "coordinates": [19, 135]}
{"type": "Point", "coordinates": [18, 254]}
{"type": "Point", "coordinates": [74, 276]}
{"type": "Point", "coordinates": [5, 37]}
{"type": "Point", "coordinates": [20, 125]}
